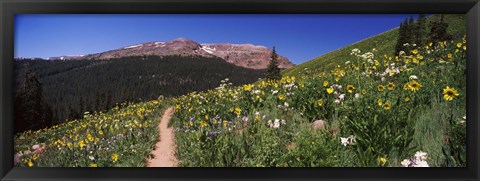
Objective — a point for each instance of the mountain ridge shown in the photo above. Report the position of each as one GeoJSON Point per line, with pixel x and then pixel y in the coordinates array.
{"type": "Point", "coordinates": [243, 55]}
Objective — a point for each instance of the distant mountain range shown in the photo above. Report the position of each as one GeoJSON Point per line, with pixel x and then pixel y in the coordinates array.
{"type": "Point", "coordinates": [243, 55]}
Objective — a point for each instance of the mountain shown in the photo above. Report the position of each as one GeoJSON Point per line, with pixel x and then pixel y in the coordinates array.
{"type": "Point", "coordinates": [243, 55]}
{"type": "Point", "coordinates": [67, 57]}
{"type": "Point", "coordinates": [384, 43]}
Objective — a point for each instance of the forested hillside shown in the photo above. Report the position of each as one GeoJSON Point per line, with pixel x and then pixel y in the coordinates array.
{"type": "Point", "coordinates": [77, 86]}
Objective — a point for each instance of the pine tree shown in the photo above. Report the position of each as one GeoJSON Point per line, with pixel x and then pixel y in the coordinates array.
{"type": "Point", "coordinates": [411, 31]}
{"type": "Point", "coordinates": [97, 101]}
{"type": "Point", "coordinates": [414, 28]}
{"type": "Point", "coordinates": [109, 99]}
{"type": "Point", "coordinates": [81, 107]}
{"type": "Point", "coordinates": [73, 114]}
{"type": "Point", "coordinates": [31, 111]}
{"type": "Point", "coordinates": [400, 39]}
{"type": "Point", "coordinates": [103, 102]}
{"type": "Point", "coordinates": [273, 72]}
{"type": "Point", "coordinates": [438, 31]}
{"type": "Point", "coordinates": [406, 35]}
{"type": "Point", "coordinates": [421, 38]}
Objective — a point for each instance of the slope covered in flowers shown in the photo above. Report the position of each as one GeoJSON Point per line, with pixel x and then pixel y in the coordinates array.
{"type": "Point", "coordinates": [384, 43]}
{"type": "Point", "coordinates": [358, 106]}
{"type": "Point", "coordinates": [372, 110]}
{"type": "Point", "coordinates": [120, 137]}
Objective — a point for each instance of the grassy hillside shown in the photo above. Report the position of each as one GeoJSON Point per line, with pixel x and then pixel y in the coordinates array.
{"type": "Point", "coordinates": [409, 111]}
{"type": "Point", "coordinates": [372, 115]}
{"type": "Point", "coordinates": [121, 137]}
{"type": "Point", "coordinates": [384, 43]}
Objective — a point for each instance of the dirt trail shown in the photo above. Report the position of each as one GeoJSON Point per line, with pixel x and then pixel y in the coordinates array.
{"type": "Point", "coordinates": [164, 154]}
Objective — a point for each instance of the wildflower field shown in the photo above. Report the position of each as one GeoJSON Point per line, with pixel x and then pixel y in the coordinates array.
{"type": "Point", "coordinates": [373, 110]}
{"type": "Point", "coordinates": [122, 137]}
{"type": "Point", "coordinates": [360, 106]}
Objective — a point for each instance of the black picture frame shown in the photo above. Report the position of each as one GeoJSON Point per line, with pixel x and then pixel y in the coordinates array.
{"type": "Point", "coordinates": [9, 8]}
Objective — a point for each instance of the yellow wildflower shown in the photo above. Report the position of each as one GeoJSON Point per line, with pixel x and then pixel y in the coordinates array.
{"type": "Point", "coordinates": [415, 86]}
{"type": "Point", "coordinates": [320, 102]}
{"type": "Point", "coordinates": [381, 88]}
{"type": "Point", "coordinates": [450, 93]}
{"type": "Point", "coordinates": [387, 106]}
{"type": "Point", "coordinates": [238, 111]}
{"type": "Point", "coordinates": [247, 87]}
{"type": "Point", "coordinates": [114, 157]}
{"type": "Point", "coordinates": [203, 124]}
{"type": "Point", "coordinates": [391, 86]}
{"type": "Point", "coordinates": [415, 51]}
{"type": "Point", "coordinates": [382, 160]}
{"type": "Point", "coordinates": [81, 144]}
{"type": "Point", "coordinates": [329, 90]}
{"type": "Point", "coordinates": [350, 88]}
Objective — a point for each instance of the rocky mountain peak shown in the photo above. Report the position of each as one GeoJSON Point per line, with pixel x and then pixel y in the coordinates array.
{"type": "Point", "coordinates": [244, 55]}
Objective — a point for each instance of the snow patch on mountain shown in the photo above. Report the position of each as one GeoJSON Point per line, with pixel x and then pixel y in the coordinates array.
{"type": "Point", "coordinates": [208, 49]}
{"type": "Point", "coordinates": [134, 46]}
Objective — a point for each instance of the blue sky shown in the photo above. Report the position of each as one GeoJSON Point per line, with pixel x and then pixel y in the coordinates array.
{"type": "Point", "coordinates": [297, 37]}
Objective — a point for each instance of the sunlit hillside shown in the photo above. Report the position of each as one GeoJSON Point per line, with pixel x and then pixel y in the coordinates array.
{"type": "Point", "coordinates": [384, 43]}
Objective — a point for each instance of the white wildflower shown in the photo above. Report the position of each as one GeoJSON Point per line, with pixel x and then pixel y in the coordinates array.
{"type": "Point", "coordinates": [36, 147]}
{"type": "Point", "coordinates": [421, 163]}
{"type": "Point", "coordinates": [405, 163]}
{"type": "Point", "coordinates": [418, 160]}
{"type": "Point", "coordinates": [245, 119]}
{"type": "Point", "coordinates": [276, 123]}
{"type": "Point", "coordinates": [343, 141]}
{"type": "Point", "coordinates": [352, 139]}
{"type": "Point", "coordinates": [421, 155]}
{"type": "Point", "coordinates": [464, 120]}
{"type": "Point", "coordinates": [355, 51]}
